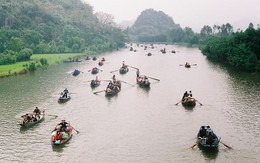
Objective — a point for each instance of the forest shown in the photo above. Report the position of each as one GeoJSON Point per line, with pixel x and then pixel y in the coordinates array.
{"type": "Point", "coordinates": [54, 26]}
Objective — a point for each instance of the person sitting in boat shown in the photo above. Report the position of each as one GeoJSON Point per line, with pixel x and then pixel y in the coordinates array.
{"type": "Point", "coordinates": [34, 118]}
{"type": "Point", "coordinates": [114, 78]}
{"type": "Point", "coordinates": [208, 130]}
{"type": "Point", "coordinates": [210, 138]}
{"type": "Point", "coordinates": [96, 80]}
{"type": "Point", "coordinates": [123, 65]}
{"type": "Point", "coordinates": [26, 118]}
{"type": "Point", "coordinates": [137, 72]}
{"type": "Point", "coordinates": [63, 125]}
{"type": "Point", "coordinates": [186, 64]}
{"type": "Point", "coordinates": [37, 112]}
{"type": "Point", "coordinates": [184, 95]}
{"type": "Point", "coordinates": [202, 132]}
{"type": "Point", "coordinates": [146, 81]}
{"type": "Point", "coordinates": [190, 94]}
{"type": "Point", "coordinates": [65, 93]}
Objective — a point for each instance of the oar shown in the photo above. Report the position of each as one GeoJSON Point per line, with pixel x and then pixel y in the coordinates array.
{"type": "Point", "coordinates": [126, 82]}
{"type": "Point", "coordinates": [153, 78]}
{"type": "Point", "coordinates": [225, 145]}
{"type": "Point", "coordinates": [181, 65]}
{"type": "Point", "coordinates": [194, 64]}
{"type": "Point", "coordinates": [74, 129]}
{"type": "Point", "coordinates": [178, 102]}
{"type": "Point", "coordinates": [99, 91]}
{"type": "Point", "coordinates": [51, 115]}
{"type": "Point", "coordinates": [113, 71]}
{"type": "Point", "coordinates": [194, 145]}
{"type": "Point", "coordinates": [199, 102]}
{"type": "Point", "coordinates": [133, 67]}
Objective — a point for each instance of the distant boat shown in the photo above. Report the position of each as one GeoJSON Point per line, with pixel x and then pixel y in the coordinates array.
{"type": "Point", "coordinates": [123, 70]}
{"type": "Point", "coordinates": [64, 98]}
{"type": "Point", "coordinates": [76, 72]}
{"type": "Point", "coordinates": [94, 70]}
{"type": "Point", "coordinates": [95, 83]}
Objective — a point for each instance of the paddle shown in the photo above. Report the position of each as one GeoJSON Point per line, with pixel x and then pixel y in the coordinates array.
{"type": "Point", "coordinates": [126, 82]}
{"type": "Point", "coordinates": [133, 67]}
{"type": "Point", "coordinates": [199, 102]}
{"type": "Point", "coordinates": [51, 115]}
{"type": "Point", "coordinates": [225, 145]}
{"type": "Point", "coordinates": [194, 145]}
{"type": "Point", "coordinates": [114, 71]}
{"type": "Point", "coordinates": [74, 129]}
{"type": "Point", "coordinates": [99, 91]}
{"type": "Point", "coordinates": [178, 102]}
{"type": "Point", "coordinates": [153, 78]}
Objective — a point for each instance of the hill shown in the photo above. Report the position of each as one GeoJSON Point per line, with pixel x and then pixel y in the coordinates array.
{"type": "Point", "coordinates": [152, 26]}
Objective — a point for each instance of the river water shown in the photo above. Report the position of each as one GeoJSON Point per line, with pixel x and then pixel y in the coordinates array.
{"type": "Point", "coordinates": [137, 125]}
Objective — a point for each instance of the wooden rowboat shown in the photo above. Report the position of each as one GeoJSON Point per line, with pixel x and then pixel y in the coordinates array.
{"type": "Point", "coordinates": [66, 136]}
{"type": "Point", "coordinates": [100, 63]}
{"type": "Point", "coordinates": [94, 70]}
{"type": "Point", "coordinates": [64, 99]}
{"type": "Point", "coordinates": [189, 102]}
{"type": "Point", "coordinates": [40, 118]}
{"type": "Point", "coordinates": [123, 70]}
{"type": "Point", "coordinates": [143, 81]}
{"type": "Point", "coordinates": [95, 83]}
{"type": "Point", "coordinates": [113, 88]}
{"type": "Point", "coordinates": [203, 141]}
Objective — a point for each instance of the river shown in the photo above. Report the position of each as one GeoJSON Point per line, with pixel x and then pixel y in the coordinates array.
{"type": "Point", "coordinates": [137, 125]}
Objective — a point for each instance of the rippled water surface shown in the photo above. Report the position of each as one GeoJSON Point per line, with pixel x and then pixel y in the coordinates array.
{"type": "Point", "coordinates": [137, 125]}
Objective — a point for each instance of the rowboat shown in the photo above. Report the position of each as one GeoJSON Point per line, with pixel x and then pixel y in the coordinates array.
{"type": "Point", "coordinates": [113, 88]}
{"type": "Point", "coordinates": [94, 70]}
{"type": "Point", "coordinates": [187, 65]}
{"type": "Point", "coordinates": [100, 63]}
{"type": "Point", "coordinates": [103, 59]}
{"type": "Point", "coordinates": [143, 81]}
{"type": "Point", "coordinates": [94, 83]}
{"type": "Point", "coordinates": [94, 58]}
{"type": "Point", "coordinates": [64, 98]}
{"type": "Point", "coordinates": [66, 136]}
{"type": "Point", "coordinates": [203, 141]}
{"type": "Point", "coordinates": [88, 58]}
{"type": "Point", "coordinates": [123, 70]}
{"type": "Point", "coordinates": [39, 118]}
{"type": "Point", "coordinates": [76, 72]}
{"type": "Point", "coordinates": [188, 101]}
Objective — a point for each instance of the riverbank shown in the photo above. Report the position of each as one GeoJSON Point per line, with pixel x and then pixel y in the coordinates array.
{"type": "Point", "coordinates": [21, 67]}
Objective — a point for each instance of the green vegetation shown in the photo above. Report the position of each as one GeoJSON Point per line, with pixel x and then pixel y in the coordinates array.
{"type": "Point", "coordinates": [37, 60]}
{"type": "Point", "coordinates": [240, 50]}
{"type": "Point", "coordinates": [48, 26]}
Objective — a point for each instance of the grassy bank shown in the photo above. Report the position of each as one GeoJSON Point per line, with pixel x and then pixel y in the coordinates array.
{"type": "Point", "coordinates": [20, 68]}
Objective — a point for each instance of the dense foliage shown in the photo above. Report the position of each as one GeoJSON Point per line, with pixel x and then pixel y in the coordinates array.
{"type": "Point", "coordinates": [240, 50]}
{"type": "Point", "coordinates": [54, 26]}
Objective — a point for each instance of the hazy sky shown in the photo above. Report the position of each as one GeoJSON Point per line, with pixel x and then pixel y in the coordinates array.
{"type": "Point", "coordinates": [192, 13]}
